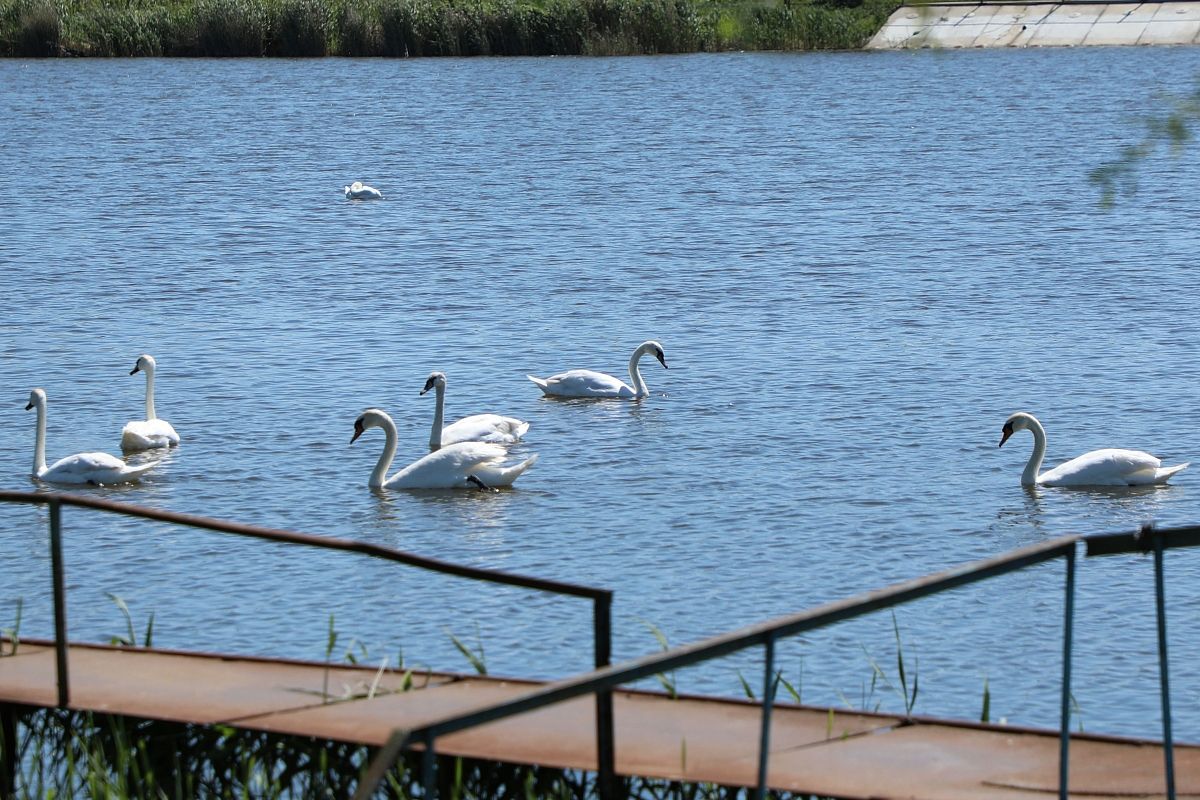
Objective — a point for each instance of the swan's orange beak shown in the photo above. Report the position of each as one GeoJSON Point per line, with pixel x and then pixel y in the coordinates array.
{"type": "Point", "coordinates": [1007, 432]}
{"type": "Point", "coordinates": [358, 429]}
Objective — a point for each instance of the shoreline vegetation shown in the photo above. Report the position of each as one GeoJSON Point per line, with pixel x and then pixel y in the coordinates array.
{"type": "Point", "coordinates": [421, 28]}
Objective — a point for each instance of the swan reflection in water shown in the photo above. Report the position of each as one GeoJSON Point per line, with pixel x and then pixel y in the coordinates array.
{"type": "Point", "coordinates": [1103, 509]}
{"type": "Point", "coordinates": [480, 517]}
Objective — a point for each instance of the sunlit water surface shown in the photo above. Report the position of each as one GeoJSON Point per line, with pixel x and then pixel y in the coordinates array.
{"type": "Point", "coordinates": [858, 265]}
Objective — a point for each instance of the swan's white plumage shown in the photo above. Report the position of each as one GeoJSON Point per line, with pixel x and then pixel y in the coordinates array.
{"type": "Point", "coordinates": [94, 468]}
{"type": "Point", "coordinates": [147, 434]}
{"type": "Point", "coordinates": [1107, 467]}
{"type": "Point", "coordinates": [589, 383]}
{"type": "Point", "coordinates": [151, 432]}
{"type": "Point", "coordinates": [449, 467]}
{"type": "Point", "coordinates": [475, 428]}
{"type": "Point", "coordinates": [360, 191]}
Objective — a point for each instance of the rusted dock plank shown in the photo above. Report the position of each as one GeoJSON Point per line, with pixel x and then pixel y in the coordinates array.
{"type": "Point", "coordinates": [839, 753]}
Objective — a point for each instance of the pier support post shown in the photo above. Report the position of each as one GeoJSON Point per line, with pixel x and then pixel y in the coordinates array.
{"type": "Point", "coordinates": [1160, 603]}
{"type": "Point", "coordinates": [1064, 742]}
{"type": "Point", "coordinates": [60, 604]}
{"type": "Point", "coordinates": [8, 752]}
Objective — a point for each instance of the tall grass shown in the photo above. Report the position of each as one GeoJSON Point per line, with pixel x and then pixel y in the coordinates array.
{"type": "Point", "coordinates": [77, 754]}
{"type": "Point", "coordinates": [415, 28]}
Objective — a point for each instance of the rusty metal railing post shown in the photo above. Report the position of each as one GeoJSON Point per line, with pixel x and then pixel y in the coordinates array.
{"type": "Point", "coordinates": [60, 603]}
{"type": "Point", "coordinates": [1064, 745]}
{"type": "Point", "coordinates": [1160, 604]}
{"type": "Point", "coordinates": [429, 767]}
{"type": "Point", "coordinates": [8, 751]}
{"type": "Point", "coordinates": [768, 702]}
{"type": "Point", "coordinates": [606, 773]}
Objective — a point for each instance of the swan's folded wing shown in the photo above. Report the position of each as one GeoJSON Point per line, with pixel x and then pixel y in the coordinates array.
{"type": "Point", "coordinates": [463, 457]}
{"type": "Point", "coordinates": [1109, 467]}
{"type": "Point", "coordinates": [484, 428]}
{"type": "Point", "coordinates": [92, 468]}
{"type": "Point", "coordinates": [148, 433]}
{"type": "Point", "coordinates": [86, 463]}
{"type": "Point", "coordinates": [586, 383]}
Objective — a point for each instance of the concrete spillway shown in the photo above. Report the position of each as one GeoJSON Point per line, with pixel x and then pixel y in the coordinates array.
{"type": "Point", "coordinates": [1053, 24]}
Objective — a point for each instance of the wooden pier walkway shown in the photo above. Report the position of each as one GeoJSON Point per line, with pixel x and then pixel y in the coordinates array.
{"type": "Point", "coordinates": [835, 753]}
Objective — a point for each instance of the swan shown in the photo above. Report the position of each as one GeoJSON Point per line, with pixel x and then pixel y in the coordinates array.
{"type": "Point", "coordinates": [586, 383]}
{"type": "Point", "coordinates": [475, 428]}
{"type": "Point", "coordinates": [360, 191]}
{"type": "Point", "coordinates": [94, 468]}
{"type": "Point", "coordinates": [1109, 467]}
{"type": "Point", "coordinates": [455, 466]}
{"type": "Point", "coordinates": [151, 432]}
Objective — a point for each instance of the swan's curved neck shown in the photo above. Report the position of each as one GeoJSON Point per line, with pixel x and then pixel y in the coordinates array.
{"type": "Point", "coordinates": [635, 374]}
{"type": "Point", "coordinates": [1030, 475]}
{"type": "Point", "coordinates": [149, 392]}
{"type": "Point", "coordinates": [435, 433]}
{"type": "Point", "coordinates": [379, 474]}
{"type": "Point", "coordinates": [39, 448]}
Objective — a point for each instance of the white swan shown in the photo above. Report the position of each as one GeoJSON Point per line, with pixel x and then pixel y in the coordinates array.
{"type": "Point", "coordinates": [475, 428]}
{"type": "Point", "coordinates": [586, 383]}
{"type": "Point", "coordinates": [151, 432]}
{"type": "Point", "coordinates": [95, 468]}
{"type": "Point", "coordinates": [360, 191]}
{"type": "Point", "coordinates": [456, 466]}
{"type": "Point", "coordinates": [1108, 467]}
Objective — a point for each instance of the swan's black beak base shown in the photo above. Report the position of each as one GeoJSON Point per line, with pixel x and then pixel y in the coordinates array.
{"type": "Point", "coordinates": [28, 406]}
{"type": "Point", "coordinates": [1007, 432]}
{"type": "Point", "coordinates": [358, 430]}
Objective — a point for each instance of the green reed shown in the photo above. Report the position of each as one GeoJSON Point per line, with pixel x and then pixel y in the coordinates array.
{"type": "Point", "coordinates": [421, 28]}
{"type": "Point", "coordinates": [80, 754]}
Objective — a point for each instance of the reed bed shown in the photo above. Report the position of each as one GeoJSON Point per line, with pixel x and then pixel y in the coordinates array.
{"type": "Point", "coordinates": [415, 28]}
{"type": "Point", "coordinates": [75, 754]}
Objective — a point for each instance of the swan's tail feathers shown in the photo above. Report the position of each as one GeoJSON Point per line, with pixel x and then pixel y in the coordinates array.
{"type": "Point", "coordinates": [1163, 473]}
{"type": "Point", "coordinates": [504, 476]}
{"type": "Point", "coordinates": [142, 469]}
{"type": "Point", "coordinates": [519, 430]}
{"type": "Point", "coordinates": [541, 383]}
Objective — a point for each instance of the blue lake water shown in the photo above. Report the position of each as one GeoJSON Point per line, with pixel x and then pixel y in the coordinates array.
{"type": "Point", "coordinates": [858, 265]}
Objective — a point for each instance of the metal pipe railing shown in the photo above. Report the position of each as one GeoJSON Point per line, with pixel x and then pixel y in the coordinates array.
{"type": "Point", "coordinates": [601, 598]}
{"type": "Point", "coordinates": [764, 633]}
{"type": "Point", "coordinates": [1156, 540]}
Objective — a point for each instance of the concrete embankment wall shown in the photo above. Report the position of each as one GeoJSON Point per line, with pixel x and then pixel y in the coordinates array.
{"type": "Point", "coordinates": [1039, 25]}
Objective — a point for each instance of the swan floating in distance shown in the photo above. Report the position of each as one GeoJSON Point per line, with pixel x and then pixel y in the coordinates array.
{"type": "Point", "coordinates": [457, 466]}
{"type": "Point", "coordinates": [360, 191]}
{"type": "Point", "coordinates": [475, 428]}
{"type": "Point", "coordinates": [94, 468]}
{"type": "Point", "coordinates": [587, 383]}
{"type": "Point", "coordinates": [151, 432]}
{"type": "Point", "coordinates": [1109, 467]}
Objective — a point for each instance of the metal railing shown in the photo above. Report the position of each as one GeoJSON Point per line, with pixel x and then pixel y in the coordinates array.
{"type": "Point", "coordinates": [601, 598]}
{"type": "Point", "coordinates": [765, 634]}
{"type": "Point", "coordinates": [606, 677]}
{"type": "Point", "coordinates": [1153, 540]}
